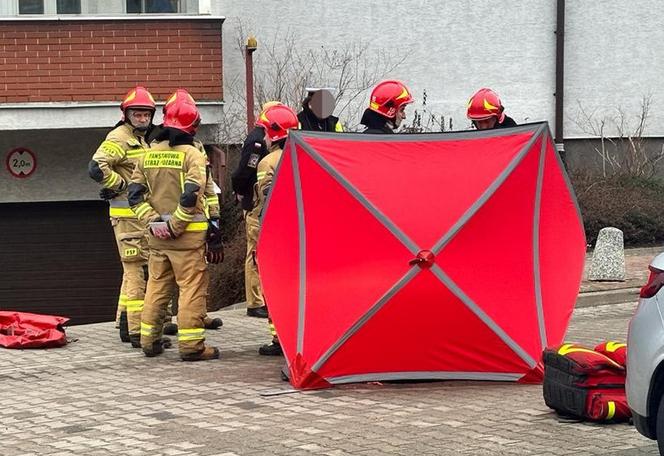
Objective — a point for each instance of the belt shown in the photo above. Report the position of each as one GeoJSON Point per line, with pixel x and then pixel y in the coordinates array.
{"type": "Point", "coordinates": [199, 222]}
{"type": "Point", "coordinates": [120, 208]}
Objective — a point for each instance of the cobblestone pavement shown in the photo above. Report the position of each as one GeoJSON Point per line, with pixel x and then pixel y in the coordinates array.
{"type": "Point", "coordinates": [98, 397]}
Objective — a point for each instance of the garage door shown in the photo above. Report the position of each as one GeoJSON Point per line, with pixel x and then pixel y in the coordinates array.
{"type": "Point", "coordinates": [59, 258]}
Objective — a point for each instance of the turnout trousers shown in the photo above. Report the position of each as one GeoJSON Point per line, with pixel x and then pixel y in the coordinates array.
{"type": "Point", "coordinates": [188, 269]}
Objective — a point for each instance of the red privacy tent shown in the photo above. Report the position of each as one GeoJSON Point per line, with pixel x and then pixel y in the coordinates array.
{"type": "Point", "coordinates": [427, 256]}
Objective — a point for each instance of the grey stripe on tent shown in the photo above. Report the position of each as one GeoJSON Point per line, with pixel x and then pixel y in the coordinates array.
{"type": "Point", "coordinates": [488, 192]}
{"type": "Point", "coordinates": [364, 318]}
{"type": "Point", "coordinates": [458, 292]}
{"type": "Point", "coordinates": [302, 289]}
{"type": "Point", "coordinates": [536, 239]}
{"type": "Point", "coordinates": [409, 137]}
{"type": "Point", "coordinates": [423, 375]}
{"type": "Point", "coordinates": [570, 187]}
{"type": "Point", "coordinates": [382, 218]}
{"type": "Point", "coordinates": [274, 180]}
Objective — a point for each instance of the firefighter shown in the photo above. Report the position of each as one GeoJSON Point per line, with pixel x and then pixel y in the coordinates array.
{"type": "Point", "coordinates": [486, 111]}
{"type": "Point", "coordinates": [276, 121]}
{"type": "Point", "coordinates": [387, 107]}
{"type": "Point", "coordinates": [212, 211]}
{"type": "Point", "coordinates": [317, 109]}
{"type": "Point", "coordinates": [111, 166]}
{"type": "Point", "coordinates": [243, 181]}
{"type": "Point", "coordinates": [212, 191]}
{"type": "Point", "coordinates": [167, 194]}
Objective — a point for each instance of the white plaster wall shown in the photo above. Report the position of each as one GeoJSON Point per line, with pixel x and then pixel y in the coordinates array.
{"type": "Point", "coordinates": [62, 163]}
{"type": "Point", "coordinates": [613, 49]}
{"type": "Point", "coordinates": [614, 56]}
{"type": "Point", "coordinates": [452, 47]}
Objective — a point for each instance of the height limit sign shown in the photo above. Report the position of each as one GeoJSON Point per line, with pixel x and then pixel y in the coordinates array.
{"type": "Point", "coordinates": [21, 162]}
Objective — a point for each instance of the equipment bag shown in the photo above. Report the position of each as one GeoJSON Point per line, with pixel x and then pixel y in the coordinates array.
{"type": "Point", "coordinates": [617, 351]}
{"type": "Point", "coordinates": [28, 330]}
{"type": "Point", "coordinates": [583, 383]}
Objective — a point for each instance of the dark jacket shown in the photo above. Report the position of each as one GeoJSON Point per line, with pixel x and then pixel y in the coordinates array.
{"type": "Point", "coordinates": [244, 176]}
{"type": "Point", "coordinates": [508, 122]}
{"type": "Point", "coordinates": [309, 121]}
{"type": "Point", "coordinates": [375, 123]}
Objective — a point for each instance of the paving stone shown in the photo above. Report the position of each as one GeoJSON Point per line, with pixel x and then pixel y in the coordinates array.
{"type": "Point", "coordinates": [73, 401]}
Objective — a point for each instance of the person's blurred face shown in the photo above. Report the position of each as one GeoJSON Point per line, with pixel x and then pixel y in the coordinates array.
{"type": "Point", "coordinates": [401, 116]}
{"type": "Point", "coordinates": [139, 118]}
{"type": "Point", "coordinates": [485, 124]}
{"type": "Point", "coordinates": [322, 103]}
{"type": "Point", "coordinates": [268, 141]}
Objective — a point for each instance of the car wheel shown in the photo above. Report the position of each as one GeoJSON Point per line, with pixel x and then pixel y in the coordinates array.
{"type": "Point", "coordinates": [660, 425]}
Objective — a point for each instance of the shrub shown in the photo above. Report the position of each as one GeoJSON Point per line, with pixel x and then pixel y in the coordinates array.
{"type": "Point", "coordinates": [227, 279]}
{"type": "Point", "coordinates": [629, 203]}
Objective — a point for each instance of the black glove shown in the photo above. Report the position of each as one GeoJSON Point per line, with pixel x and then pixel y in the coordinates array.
{"type": "Point", "coordinates": [215, 248]}
{"type": "Point", "coordinates": [107, 193]}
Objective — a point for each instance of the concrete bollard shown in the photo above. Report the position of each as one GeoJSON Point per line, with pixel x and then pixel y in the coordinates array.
{"type": "Point", "coordinates": [608, 263]}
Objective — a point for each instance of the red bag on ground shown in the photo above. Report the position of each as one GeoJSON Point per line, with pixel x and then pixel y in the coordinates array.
{"type": "Point", "coordinates": [584, 384]}
{"type": "Point", "coordinates": [28, 330]}
{"type": "Point", "coordinates": [617, 351]}
{"type": "Point", "coordinates": [607, 405]}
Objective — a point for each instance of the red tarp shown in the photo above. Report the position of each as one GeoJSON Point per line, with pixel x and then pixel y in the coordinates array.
{"type": "Point", "coordinates": [491, 217]}
{"type": "Point", "coordinates": [28, 330]}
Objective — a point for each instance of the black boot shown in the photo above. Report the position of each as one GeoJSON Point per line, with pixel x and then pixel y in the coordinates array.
{"type": "Point", "coordinates": [154, 350]}
{"type": "Point", "coordinates": [124, 327]}
{"type": "Point", "coordinates": [170, 329]}
{"type": "Point", "coordinates": [213, 323]}
{"type": "Point", "coordinates": [258, 312]}
{"type": "Point", "coordinates": [135, 340]}
{"type": "Point", "coordinates": [274, 349]}
{"type": "Point", "coordinates": [206, 354]}
{"type": "Point", "coordinates": [166, 342]}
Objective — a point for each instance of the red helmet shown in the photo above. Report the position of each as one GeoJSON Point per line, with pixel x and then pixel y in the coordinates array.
{"type": "Point", "coordinates": [388, 96]}
{"type": "Point", "coordinates": [180, 112]}
{"type": "Point", "coordinates": [484, 105]}
{"type": "Point", "coordinates": [138, 98]}
{"type": "Point", "coordinates": [277, 120]}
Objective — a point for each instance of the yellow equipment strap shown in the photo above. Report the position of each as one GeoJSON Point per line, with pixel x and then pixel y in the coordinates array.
{"type": "Point", "coordinates": [121, 212]}
{"type": "Point", "coordinates": [197, 226]}
{"type": "Point", "coordinates": [612, 410]}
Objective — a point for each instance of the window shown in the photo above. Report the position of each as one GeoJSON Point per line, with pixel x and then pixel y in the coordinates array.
{"type": "Point", "coordinates": [153, 6]}
{"type": "Point", "coordinates": [68, 7]}
{"type": "Point", "coordinates": [61, 6]}
{"type": "Point", "coordinates": [30, 6]}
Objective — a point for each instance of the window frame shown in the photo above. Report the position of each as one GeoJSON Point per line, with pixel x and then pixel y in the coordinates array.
{"type": "Point", "coordinates": [179, 7]}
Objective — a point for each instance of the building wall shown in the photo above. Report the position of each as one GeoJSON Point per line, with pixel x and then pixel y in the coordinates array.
{"type": "Point", "coordinates": [61, 173]}
{"type": "Point", "coordinates": [98, 60]}
{"type": "Point", "coordinates": [613, 57]}
{"type": "Point", "coordinates": [452, 48]}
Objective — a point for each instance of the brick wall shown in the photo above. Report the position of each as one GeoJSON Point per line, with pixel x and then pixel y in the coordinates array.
{"type": "Point", "coordinates": [99, 60]}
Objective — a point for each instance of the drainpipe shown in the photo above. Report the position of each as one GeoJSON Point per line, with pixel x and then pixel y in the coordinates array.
{"type": "Point", "coordinates": [249, 49]}
{"type": "Point", "coordinates": [560, 83]}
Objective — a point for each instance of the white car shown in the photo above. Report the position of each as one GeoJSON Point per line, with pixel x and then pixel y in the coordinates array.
{"type": "Point", "coordinates": [645, 357]}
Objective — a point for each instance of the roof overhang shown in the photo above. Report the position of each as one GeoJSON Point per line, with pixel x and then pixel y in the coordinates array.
{"type": "Point", "coordinates": [36, 116]}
